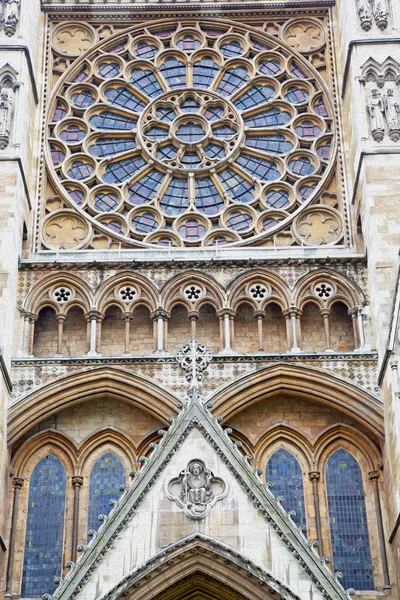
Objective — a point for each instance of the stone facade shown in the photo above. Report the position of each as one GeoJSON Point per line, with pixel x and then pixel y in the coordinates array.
{"type": "Point", "coordinates": [226, 173]}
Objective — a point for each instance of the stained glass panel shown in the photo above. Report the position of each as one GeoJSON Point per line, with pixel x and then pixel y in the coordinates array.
{"type": "Point", "coordinates": [264, 169]}
{"type": "Point", "coordinates": [145, 188]}
{"type": "Point", "coordinates": [257, 94]}
{"type": "Point", "coordinates": [122, 170]}
{"type": "Point", "coordinates": [109, 146]}
{"type": "Point", "coordinates": [122, 97]}
{"type": "Point", "coordinates": [44, 528]}
{"type": "Point", "coordinates": [232, 80]}
{"type": "Point", "coordinates": [272, 117]}
{"type": "Point", "coordinates": [284, 471]}
{"type": "Point", "coordinates": [176, 197]}
{"type": "Point", "coordinates": [208, 200]}
{"type": "Point", "coordinates": [174, 72]}
{"type": "Point", "coordinates": [236, 186]}
{"type": "Point", "coordinates": [348, 521]}
{"type": "Point", "coordinates": [145, 81]}
{"type": "Point", "coordinates": [106, 477]}
{"type": "Point", "coordinates": [204, 72]}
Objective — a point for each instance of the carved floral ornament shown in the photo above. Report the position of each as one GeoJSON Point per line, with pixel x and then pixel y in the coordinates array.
{"type": "Point", "coordinates": [196, 490]}
{"type": "Point", "coordinates": [197, 133]}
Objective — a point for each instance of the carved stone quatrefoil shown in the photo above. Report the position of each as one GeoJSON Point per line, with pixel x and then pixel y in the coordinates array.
{"type": "Point", "coordinates": [196, 490]}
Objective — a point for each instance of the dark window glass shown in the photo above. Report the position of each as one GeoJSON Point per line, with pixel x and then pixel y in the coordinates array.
{"type": "Point", "coordinates": [308, 130]}
{"type": "Point", "coordinates": [80, 170]}
{"type": "Point", "coordinates": [277, 198]}
{"type": "Point", "coordinates": [123, 169]}
{"type": "Point", "coordinates": [296, 95]}
{"type": "Point", "coordinates": [239, 221]}
{"type": "Point", "coordinates": [144, 190]}
{"type": "Point", "coordinates": [232, 48]}
{"type": "Point", "coordinates": [108, 146]}
{"type": "Point", "coordinates": [257, 94]}
{"type": "Point", "coordinates": [284, 471]}
{"type": "Point", "coordinates": [188, 43]}
{"type": "Point", "coordinates": [301, 166]}
{"type": "Point", "coordinates": [59, 113]}
{"type": "Point", "coordinates": [106, 477]}
{"type": "Point", "coordinates": [72, 134]}
{"type": "Point", "coordinates": [192, 230]}
{"type": "Point", "coordinates": [271, 117]}
{"type": "Point", "coordinates": [208, 200]}
{"type": "Point", "coordinates": [276, 144]}
{"type": "Point", "coordinates": [106, 202]}
{"type": "Point", "coordinates": [324, 150]}
{"type": "Point", "coordinates": [204, 72]}
{"type": "Point", "coordinates": [270, 67]}
{"type": "Point", "coordinates": [76, 195]}
{"type": "Point", "coordinates": [259, 167]}
{"type": "Point", "coordinates": [348, 521]}
{"type": "Point", "coordinates": [306, 191]}
{"type": "Point", "coordinates": [57, 156]}
{"type": "Point", "coordinates": [146, 82]}
{"type": "Point", "coordinates": [145, 223]}
{"type": "Point", "coordinates": [297, 72]}
{"type": "Point", "coordinates": [82, 75]}
{"type": "Point", "coordinates": [44, 528]}
{"type": "Point", "coordinates": [320, 108]}
{"type": "Point", "coordinates": [176, 197]}
{"type": "Point", "coordinates": [83, 99]}
{"type": "Point", "coordinates": [232, 80]}
{"type": "Point", "coordinates": [236, 186]}
{"type": "Point", "coordinates": [174, 73]}
{"type": "Point", "coordinates": [108, 119]}
{"type": "Point", "coordinates": [108, 70]}
{"type": "Point", "coordinates": [122, 97]}
{"type": "Point", "coordinates": [145, 50]}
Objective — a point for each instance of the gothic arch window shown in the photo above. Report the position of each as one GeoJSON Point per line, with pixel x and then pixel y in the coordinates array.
{"type": "Point", "coordinates": [44, 528]}
{"type": "Point", "coordinates": [348, 521]}
{"type": "Point", "coordinates": [106, 477]}
{"type": "Point", "coordinates": [284, 471]}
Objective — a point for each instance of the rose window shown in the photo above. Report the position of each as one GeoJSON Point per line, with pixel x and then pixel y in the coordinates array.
{"type": "Point", "coordinates": [190, 135]}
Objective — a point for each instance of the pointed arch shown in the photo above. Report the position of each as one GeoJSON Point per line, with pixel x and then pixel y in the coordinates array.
{"type": "Point", "coordinates": [106, 476]}
{"type": "Point", "coordinates": [41, 294]}
{"type": "Point", "coordinates": [145, 292]}
{"type": "Point", "coordinates": [173, 291]}
{"type": "Point", "coordinates": [277, 290]}
{"type": "Point", "coordinates": [343, 289]}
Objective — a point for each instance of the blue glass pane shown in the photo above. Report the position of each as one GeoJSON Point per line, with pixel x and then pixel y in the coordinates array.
{"type": "Point", "coordinates": [296, 95]}
{"type": "Point", "coordinates": [174, 73]}
{"type": "Point", "coordinates": [190, 132]}
{"type": "Point", "coordinates": [278, 198]}
{"type": "Point", "coordinates": [301, 166]}
{"type": "Point", "coordinates": [77, 196]}
{"type": "Point", "coordinates": [57, 156]}
{"type": "Point", "coordinates": [144, 190]}
{"type": "Point", "coordinates": [72, 134]}
{"type": "Point", "coordinates": [176, 198]}
{"type": "Point", "coordinates": [44, 528]}
{"type": "Point", "coordinates": [259, 167]}
{"type": "Point", "coordinates": [146, 50]}
{"type": "Point", "coordinates": [257, 94]}
{"type": "Point", "coordinates": [105, 479]}
{"type": "Point", "coordinates": [190, 160]}
{"type": "Point", "coordinates": [239, 221]}
{"type": "Point", "coordinates": [145, 223]}
{"type": "Point", "coordinates": [166, 114]}
{"type": "Point", "coordinates": [146, 82]}
{"type": "Point", "coordinates": [214, 151]}
{"type": "Point", "coordinates": [80, 170]}
{"type": "Point", "coordinates": [232, 48]}
{"type": "Point", "coordinates": [348, 521]}
{"type": "Point", "coordinates": [188, 43]}
{"type": "Point", "coordinates": [285, 473]}
{"type": "Point", "coordinates": [124, 98]}
{"type": "Point", "coordinates": [123, 169]}
{"type": "Point", "coordinates": [166, 152]}
{"type": "Point", "coordinates": [204, 72]}
{"type": "Point", "coordinates": [156, 133]}
{"type": "Point", "coordinates": [270, 66]}
{"type": "Point", "coordinates": [213, 113]}
{"type": "Point", "coordinates": [306, 190]}
{"type": "Point", "coordinates": [108, 119]}
{"type": "Point", "coordinates": [208, 200]}
{"type": "Point", "coordinates": [108, 70]}
{"type": "Point", "coordinates": [223, 132]}
{"type": "Point", "coordinates": [271, 117]}
{"type": "Point", "coordinates": [324, 150]}
{"type": "Point", "coordinates": [232, 80]}
{"type": "Point", "coordinates": [320, 108]}
{"type": "Point", "coordinates": [59, 113]}
{"type": "Point", "coordinates": [109, 146]}
{"type": "Point", "coordinates": [275, 144]}
{"type": "Point", "coordinates": [192, 230]}
{"type": "Point", "coordinates": [82, 75]}
{"type": "Point", "coordinates": [297, 72]}
{"type": "Point", "coordinates": [105, 202]}
{"type": "Point", "coordinates": [236, 186]}
{"type": "Point", "coordinates": [190, 105]}
{"type": "Point", "coordinates": [83, 99]}
{"type": "Point", "coordinates": [308, 130]}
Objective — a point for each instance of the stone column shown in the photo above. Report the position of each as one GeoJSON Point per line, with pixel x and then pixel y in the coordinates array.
{"type": "Point", "coordinates": [293, 314]}
{"type": "Point", "coordinates": [17, 482]}
{"type": "Point", "coordinates": [94, 316]}
{"type": "Point", "coordinates": [77, 482]}
{"type": "Point", "coordinates": [61, 318]}
{"type": "Point", "coordinates": [259, 316]}
{"type": "Point", "coordinates": [374, 478]}
{"type": "Point", "coordinates": [314, 478]}
{"type": "Point", "coordinates": [356, 315]}
{"type": "Point", "coordinates": [161, 316]}
{"type": "Point", "coordinates": [29, 332]}
{"type": "Point", "coordinates": [227, 315]}
{"type": "Point", "coordinates": [193, 316]}
{"type": "Point", "coordinates": [326, 314]}
{"type": "Point", "coordinates": [127, 317]}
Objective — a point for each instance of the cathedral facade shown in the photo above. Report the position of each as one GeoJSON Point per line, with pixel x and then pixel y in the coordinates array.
{"type": "Point", "coordinates": [199, 299]}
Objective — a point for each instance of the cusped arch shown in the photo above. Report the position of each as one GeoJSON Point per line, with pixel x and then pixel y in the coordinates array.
{"type": "Point", "coordinates": [306, 383]}
{"type": "Point", "coordinates": [287, 437]}
{"type": "Point", "coordinates": [177, 291]}
{"type": "Point", "coordinates": [42, 294]}
{"type": "Point", "coordinates": [106, 439]}
{"type": "Point", "coordinates": [74, 389]}
{"type": "Point", "coordinates": [39, 445]}
{"type": "Point", "coordinates": [127, 290]}
{"type": "Point", "coordinates": [354, 441]}
{"type": "Point", "coordinates": [240, 290]}
{"type": "Point", "coordinates": [312, 287]}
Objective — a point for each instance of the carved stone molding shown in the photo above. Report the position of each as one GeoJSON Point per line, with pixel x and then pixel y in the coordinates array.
{"type": "Point", "coordinates": [196, 490]}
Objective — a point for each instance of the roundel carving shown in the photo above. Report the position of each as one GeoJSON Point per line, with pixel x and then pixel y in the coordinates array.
{"type": "Point", "coordinates": [190, 134]}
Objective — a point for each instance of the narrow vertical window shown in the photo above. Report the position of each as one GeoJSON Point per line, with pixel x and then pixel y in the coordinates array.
{"type": "Point", "coordinates": [348, 521]}
{"type": "Point", "coordinates": [284, 471]}
{"type": "Point", "coordinates": [106, 477]}
{"type": "Point", "coordinates": [44, 528]}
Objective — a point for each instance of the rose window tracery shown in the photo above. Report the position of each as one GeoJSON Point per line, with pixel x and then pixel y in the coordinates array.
{"type": "Point", "coordinates": [191, 134]}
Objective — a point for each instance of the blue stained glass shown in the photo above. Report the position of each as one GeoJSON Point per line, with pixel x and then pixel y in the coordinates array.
{"type": "Point", "coordinates": [320, 108]}
{"type": "Point", "coordinates": [72, 134]}
{"type": "Point", "coordinates": [308, 130]}
{"type": "Point", "coordinates": [108, 119]}
{"type": "Point", "coordinates": [257, 94]}
{"type": "Point", "coordinates": [188, 43]}
{"type": "Point", "coordinates": [114, 225]}
{"type": "Point", "coordinates": [82, 75]}
{"type": "Point", "coordinates": [105, 202]}
{"type": "Point", "coordinates": [276, 144]}
{"type": "Point", "coordinates": [324, 150]}
{"type": "Point", "coordinates": [223, 132]}
{"type": "Point", "coordinates": [236, 186]}
{"type": "Point", "coordinates": [232, 80]}
{"type": "Point", "coordinates": [145, 81]}
{"type": "Point", "coordinates": [232, 48]}
{"type": "Point", "coordinates": [124, 98]}
{"type": "Point", "coordinates": [270, 67]}
{"type": "Point", "coordinates": [59, 113]}
{"type": "Point", "coordinates": [214, 151]}
{"type": "Point", "coordinates": [110, 146]}
{"type": "Point", "coordinates": [189, 105]}
{"type": "Point", "coordinates": [80, 170]}
{"type": "Point", "coordinates": [77, 196]}
{"type": "Point", "coordinates": [239, 221]}
{"type": "Point", "coordinates": [348, 521]}
{"type": "Point", "coordinates": [174, 72]}
{"type": "Point", "coordinates": [44, 528]}
{"type": "Point", "coordinates": [190, 132]}
{"type": "Point", "coordinates": [301, 166]}
{"type": "Point", "coordinates": [271, 117]}
{"type": "Point", "coordinates": [297, 72]}
{"type": "Point", "coordinates": [108, 70]}
{"type": "Point", "coordinates": [144, 190]}
{"type": "Point", "coordinates": [57, 156]}
{"type": "Point", "coordinates": [83, 99]}
{"type": "Point", "coordinates": [285, 473]}
{"type": "Point", "coordinates": [166, 152]}
{"type": "Point", "coordinates": [192, 230]}
{"type": "Point", "coordinates": [145, 50]}
{"type": "Point", "coordinates": [208, 200]}
{"type": "Point", "coordinates": [176, 197]}
{"type": "Point", "coordinates": [260, 45]}
{"type": "Point", "coordinates": [145, 223]}
{"type": "Point", "coordinates": [259, 167]}
{"type": "Point", "coordinates": [278, 198]}
{"type": "Point", "coordinates": [306, 190]}
{"type": "Point", "coordinates": [213, 113]}
{"type": "Point", "coordinates": [166, 114]}
{"type": "Point", "coordinates": [204, 72]}
{"type": "Point", "coordinates": [296, 95]}
{"type": "Point", "coordinates": [107, 475]}
{"type": "Point", "coordinates": [121, 170]}
{"type": "Point", "coordinates": [190, 160]}
{"type": "Point", "coordinates": [156, 133]}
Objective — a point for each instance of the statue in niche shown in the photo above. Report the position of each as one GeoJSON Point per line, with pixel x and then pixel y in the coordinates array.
{"type": "Point", "coordinates": [392, 114]}
{"type": "Point", "coordinates": [365, 14]}
{"type": "Point", "coordinates": [381, 13]}
{"type": "Point", "coordinates": [196, 489]}
{"type": "Point", "coordinates": [6, 113]}
{"type": "Point", "coordinates": [11, 16]}
{"type": "Point", "coordinates": [376, 110]}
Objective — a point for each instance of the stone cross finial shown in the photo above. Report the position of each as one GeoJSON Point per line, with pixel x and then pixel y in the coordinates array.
{"type": "Point", "coordinates": [194, 358]}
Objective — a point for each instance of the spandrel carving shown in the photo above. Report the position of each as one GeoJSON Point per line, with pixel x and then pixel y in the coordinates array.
{"type": "Point", "coordinates": [196, 489]}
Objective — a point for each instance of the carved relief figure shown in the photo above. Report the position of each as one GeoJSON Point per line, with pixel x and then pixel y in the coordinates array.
{"type": "Point", "coordinates": [11, 16]}
{"type": "Point", "coordinates": [376, 110]}
{"type": "Point", "coordinates": [365, 14]}
{"type": "Point", "coordinates": [392, 113]}
{"type": "Point", "coordinates": [6, 111]}
{"type": "Point", "coordinates": [196, 489]}
{"type": "Point", "coordinates": [381, 13]}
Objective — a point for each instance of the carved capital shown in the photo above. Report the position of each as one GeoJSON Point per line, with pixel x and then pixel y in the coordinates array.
{"type": "Point", "coordinates": [160, 313]}
{"type": "Point", "coordinates": [77, 481]}
{"type": "Point", "coordinates": [127, 316]}
{"type": "Point", "coordinates": [18, 482]}
{"type": "Point", "coordinates": [259, 314]}
{"type": "Point", "coordinates": [373, 475]}
{"type": "Point", "coordinates": [226, 312]}
{"type": "Point", "coordinates": [314, 475]}
{"type": "Point", "coordinates": [193, 315]}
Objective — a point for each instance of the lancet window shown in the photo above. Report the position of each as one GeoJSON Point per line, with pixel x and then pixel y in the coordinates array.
{"type": "Point", "coordinates": [106, 477]}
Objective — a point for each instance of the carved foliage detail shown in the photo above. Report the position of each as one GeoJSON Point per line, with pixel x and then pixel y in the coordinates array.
{"type": "Point", "coordinates": [196, 490]}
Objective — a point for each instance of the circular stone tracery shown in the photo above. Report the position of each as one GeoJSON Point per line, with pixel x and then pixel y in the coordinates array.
{"type": "Point", "coordinates": [194, 134]}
